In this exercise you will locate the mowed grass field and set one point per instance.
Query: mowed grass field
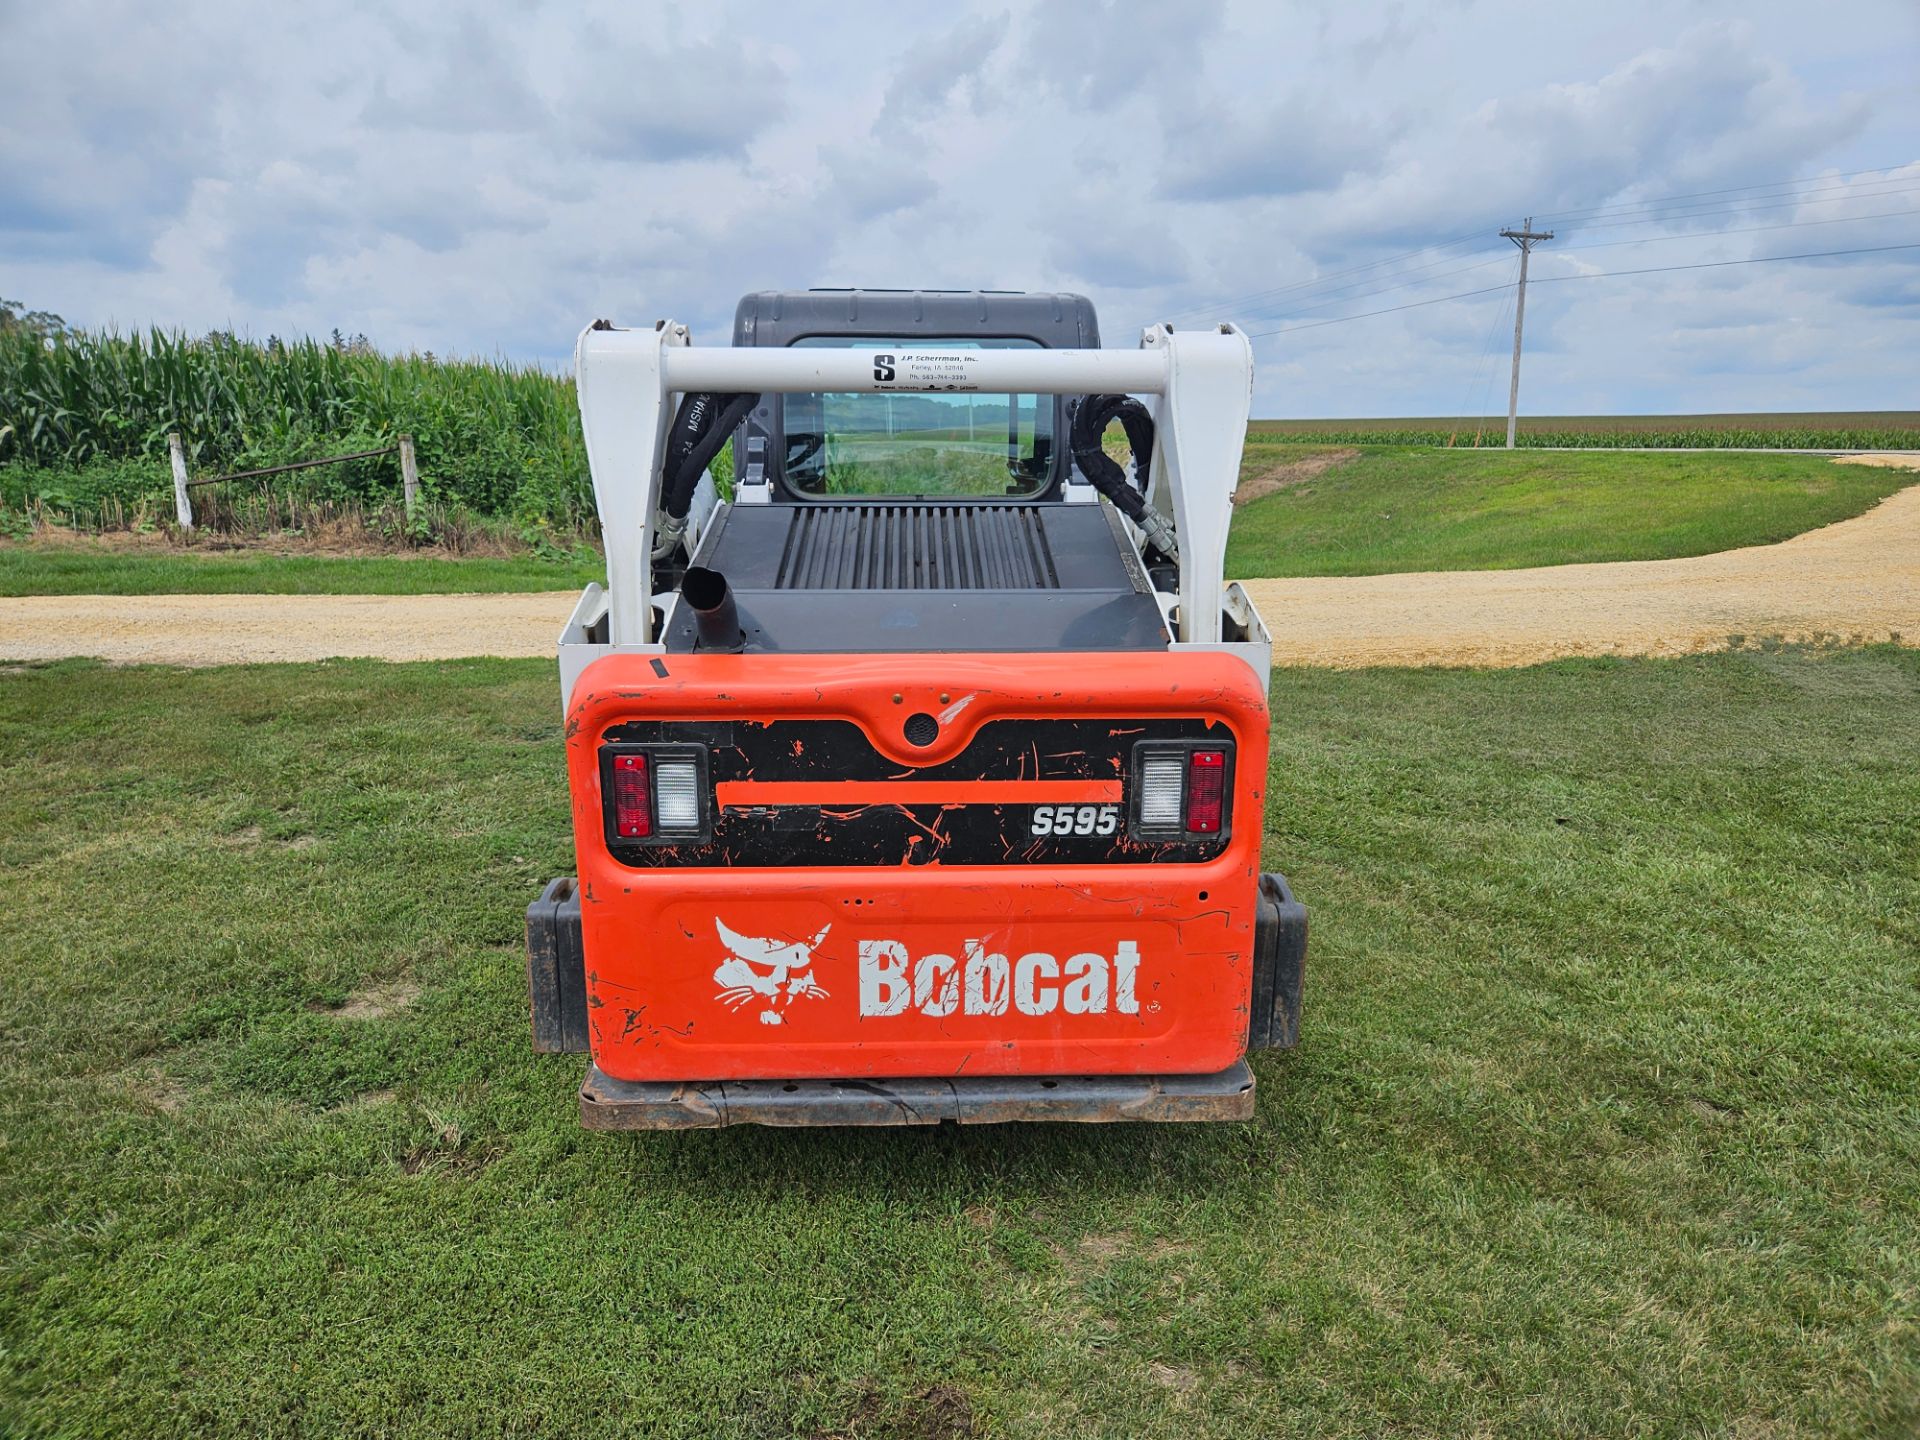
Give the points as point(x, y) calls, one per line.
point(1603, 1123)
point(1815, 430)
point(1387, 509)
point(76, 567)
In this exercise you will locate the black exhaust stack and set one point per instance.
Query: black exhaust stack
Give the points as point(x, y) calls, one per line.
point(714, 614)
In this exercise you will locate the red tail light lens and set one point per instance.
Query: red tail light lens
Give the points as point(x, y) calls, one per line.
point(632, 798)
point(1206, 791)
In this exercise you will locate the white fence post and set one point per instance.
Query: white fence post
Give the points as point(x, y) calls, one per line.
point(409, 473)
point(182, 506)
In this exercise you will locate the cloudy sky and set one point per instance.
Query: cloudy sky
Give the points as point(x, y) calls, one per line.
point(486, 179)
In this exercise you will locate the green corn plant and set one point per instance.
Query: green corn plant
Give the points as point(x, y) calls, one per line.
point(495, 436)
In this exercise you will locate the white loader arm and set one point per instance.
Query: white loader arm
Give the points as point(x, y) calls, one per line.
point(628, 379)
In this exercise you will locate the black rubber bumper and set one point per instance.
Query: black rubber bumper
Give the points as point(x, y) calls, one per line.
point(1279, 967)
point(557, 969)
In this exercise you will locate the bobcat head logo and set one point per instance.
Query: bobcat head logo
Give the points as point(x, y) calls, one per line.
point(766, 971)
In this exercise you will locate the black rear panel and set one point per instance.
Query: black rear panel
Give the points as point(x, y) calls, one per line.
point(859, 834)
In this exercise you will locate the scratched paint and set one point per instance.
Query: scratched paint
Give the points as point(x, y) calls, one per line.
point(923, 938)
point(749, 756)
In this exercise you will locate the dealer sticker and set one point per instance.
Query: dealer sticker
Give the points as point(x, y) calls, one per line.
point(925, 370)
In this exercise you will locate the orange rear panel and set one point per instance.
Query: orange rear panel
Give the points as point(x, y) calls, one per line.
point(794, 959)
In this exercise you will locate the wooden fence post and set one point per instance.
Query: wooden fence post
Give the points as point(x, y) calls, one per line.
point(182, 506)
point(409, 474)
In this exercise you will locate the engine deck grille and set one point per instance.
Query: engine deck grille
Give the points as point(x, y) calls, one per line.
point(919, 546)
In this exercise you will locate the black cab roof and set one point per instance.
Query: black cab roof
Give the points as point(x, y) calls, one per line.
point(1055, 320)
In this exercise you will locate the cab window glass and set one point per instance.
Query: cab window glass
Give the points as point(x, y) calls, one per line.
point(898, 443)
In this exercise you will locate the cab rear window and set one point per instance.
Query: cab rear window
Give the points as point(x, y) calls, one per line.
point(918, 444)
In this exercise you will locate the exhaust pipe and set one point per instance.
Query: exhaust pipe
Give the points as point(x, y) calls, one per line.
point(715, 616)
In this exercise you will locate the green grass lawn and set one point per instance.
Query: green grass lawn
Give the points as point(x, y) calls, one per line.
point(1389, 509)
point(1604, 1122)
point(81, 569)
point(1394, 509)
point(1788, 430)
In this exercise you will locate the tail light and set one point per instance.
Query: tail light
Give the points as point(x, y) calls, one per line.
point(1206, 790)
point(676, 795)
point(656, 794)
point(1181, 791)
point(632, 798)
point(1163, 786)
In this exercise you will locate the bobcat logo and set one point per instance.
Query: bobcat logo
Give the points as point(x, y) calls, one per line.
point(766, 970)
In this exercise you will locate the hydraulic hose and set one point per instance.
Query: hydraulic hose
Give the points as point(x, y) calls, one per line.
point(1090, 421)
point(701, 427)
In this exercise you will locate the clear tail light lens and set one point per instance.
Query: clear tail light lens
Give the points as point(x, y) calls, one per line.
point(1161, 780)
point(632, 800)
point(1206, 791)
point(676, 794)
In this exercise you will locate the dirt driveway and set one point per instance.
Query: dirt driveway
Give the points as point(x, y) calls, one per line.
point(1858, 580)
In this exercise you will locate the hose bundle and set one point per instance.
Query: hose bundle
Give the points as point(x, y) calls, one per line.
point(701, 427)
point(1090, 420)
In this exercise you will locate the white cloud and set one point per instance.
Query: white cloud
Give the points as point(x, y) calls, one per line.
point(931, 70)
point(488, 180)
point(637, 101)
point(1303, 142)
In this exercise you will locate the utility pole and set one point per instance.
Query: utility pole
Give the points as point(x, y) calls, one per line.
point(1524, 238)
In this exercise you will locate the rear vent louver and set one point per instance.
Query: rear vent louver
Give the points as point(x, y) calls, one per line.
point(917, 547)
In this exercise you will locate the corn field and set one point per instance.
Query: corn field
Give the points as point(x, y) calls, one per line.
point(88, 409)
point(1825, 430)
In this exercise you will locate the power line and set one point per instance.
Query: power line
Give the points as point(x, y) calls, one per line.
point(1744, 230)
point(1319, 287)
point(1318, 304)
point(1334, 298)
point(1480, 383)
point(1820, 185)
point(1369, 314)
point(1591, 275)
point(1721, 264)
point(1710, 212)
point(1600, 244)
point(1260, 295)
point(1493, 368)
point(1824, 182)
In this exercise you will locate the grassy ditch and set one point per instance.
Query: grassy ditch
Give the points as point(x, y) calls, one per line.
point(1315, 510)
point(105, 566)
point(1380, 510)
point(1603, 1123)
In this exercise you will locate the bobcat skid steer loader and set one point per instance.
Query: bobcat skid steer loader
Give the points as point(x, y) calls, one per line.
point(918, 771)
